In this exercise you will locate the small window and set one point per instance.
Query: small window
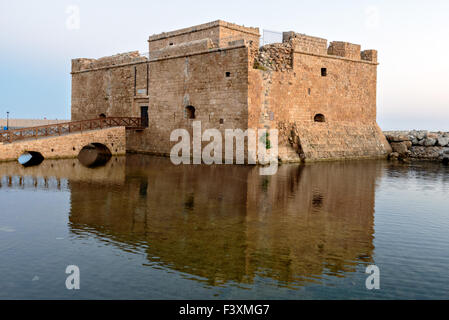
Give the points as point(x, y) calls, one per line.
point(228, 74)
point(171, 44)
point(309, 91)
point(190, 112)
point(221, 121)
point(319, 118)
point(102, 116)
point(323, 72)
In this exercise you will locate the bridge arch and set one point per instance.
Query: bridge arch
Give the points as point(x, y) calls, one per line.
point(94, 154)
point(31, 158)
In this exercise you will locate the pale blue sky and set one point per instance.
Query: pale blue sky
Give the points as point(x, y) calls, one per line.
point(412, 38)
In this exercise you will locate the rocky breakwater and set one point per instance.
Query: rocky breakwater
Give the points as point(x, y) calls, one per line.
point(419, 145)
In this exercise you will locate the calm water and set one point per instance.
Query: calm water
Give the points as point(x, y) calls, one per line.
point(141, 228)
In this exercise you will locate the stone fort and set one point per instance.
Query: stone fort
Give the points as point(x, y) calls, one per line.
point(321, 98)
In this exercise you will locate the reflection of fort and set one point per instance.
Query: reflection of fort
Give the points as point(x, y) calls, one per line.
point(229, 224)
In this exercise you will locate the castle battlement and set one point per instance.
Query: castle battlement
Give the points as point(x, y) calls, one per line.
point(321, 97)
point(220, 33)
point(82, 64)
point(205, 26)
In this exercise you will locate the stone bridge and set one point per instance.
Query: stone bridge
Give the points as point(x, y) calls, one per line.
point(66, 140)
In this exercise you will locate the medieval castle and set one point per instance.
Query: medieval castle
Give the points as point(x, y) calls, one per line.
point(321, 98)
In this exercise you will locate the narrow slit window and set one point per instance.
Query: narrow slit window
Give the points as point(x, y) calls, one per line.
point(323, 72)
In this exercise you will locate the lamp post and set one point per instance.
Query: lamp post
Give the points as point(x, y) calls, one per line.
point(7, 120)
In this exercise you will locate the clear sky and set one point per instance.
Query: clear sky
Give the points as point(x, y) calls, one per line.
point(39, 38)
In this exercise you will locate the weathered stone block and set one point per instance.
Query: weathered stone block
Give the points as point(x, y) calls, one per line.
point(429, 142)
point(443, 141)
point(399, 147)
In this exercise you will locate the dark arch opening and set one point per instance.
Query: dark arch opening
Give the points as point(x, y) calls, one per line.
point(102, 116)
point(190, 111)
point(31, 158)
point(94, 155)
point(319, 118)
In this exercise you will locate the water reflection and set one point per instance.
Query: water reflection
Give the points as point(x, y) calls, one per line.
point(229, 224)
point(221, 224)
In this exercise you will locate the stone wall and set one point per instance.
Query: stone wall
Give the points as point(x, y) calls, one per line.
point(183, 49)
point(332, 141)
point(66, 146)
point(419, 145)
point(289, 98)
point(108, 86)
point(344, 49)
point(214, 82)
point(305, 43)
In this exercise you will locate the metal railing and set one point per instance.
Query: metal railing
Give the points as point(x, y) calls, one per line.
point(270, 36)
point(69, 127)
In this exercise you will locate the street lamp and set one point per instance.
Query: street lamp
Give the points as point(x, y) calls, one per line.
point(7, 120)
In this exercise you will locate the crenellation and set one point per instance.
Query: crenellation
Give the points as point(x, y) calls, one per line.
point(305, 43)
point(109, 61)
point(344, 49)
point(369, 55)
point(221, 34)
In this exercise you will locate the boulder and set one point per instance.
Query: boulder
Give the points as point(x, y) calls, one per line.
point(393, 156)
point(408, 144)
point(418, 152)
point(430, 142)
point(443, 142)
point(397, 137)
point(420, 135)
point(399, 147)
point(415, 141)
point(432, 153)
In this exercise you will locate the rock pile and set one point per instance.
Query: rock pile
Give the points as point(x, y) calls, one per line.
point(276, 57)
point(420, 145)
